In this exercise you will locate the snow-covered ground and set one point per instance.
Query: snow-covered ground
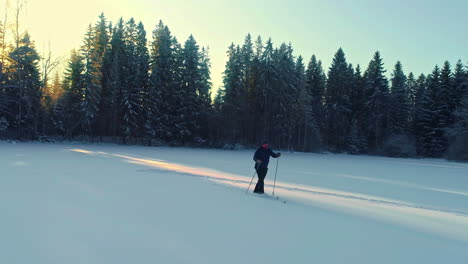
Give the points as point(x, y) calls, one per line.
point(79, 203)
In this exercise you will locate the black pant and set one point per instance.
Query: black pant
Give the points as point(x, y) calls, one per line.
point(261, 172)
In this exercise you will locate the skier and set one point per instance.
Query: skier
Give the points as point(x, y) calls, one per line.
point(262, 158)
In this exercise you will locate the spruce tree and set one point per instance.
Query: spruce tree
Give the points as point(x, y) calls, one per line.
point(3, 93)
point(166, 96)
point(268, 77)
point(432, 131)
point(411, 87)
point(309, 138)
point(191, 89)
point(446, 103)
point(234, 94)
point(338, 103)
point(181, 123)
point(399, 106)
point(68, 116)
point(459, 132)
point(204, 92)
point(377, 105)
point(133, 81)
point(116, 73)
point(27, 95)
point(91, 81)
point(249, 86)
point(420, 89)
point(357, 143)
point(255, 93)
point(286, 99)
point(5, 113)
point(315, 90)
point(141, 80)
point(93, 51)
point(460, 81)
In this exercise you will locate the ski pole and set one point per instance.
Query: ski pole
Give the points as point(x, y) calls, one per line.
point(274, 183)
point(251, 181)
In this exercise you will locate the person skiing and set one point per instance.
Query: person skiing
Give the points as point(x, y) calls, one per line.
point(262, 158)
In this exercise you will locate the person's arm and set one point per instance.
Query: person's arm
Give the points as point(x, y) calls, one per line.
point(275, 155)
point(256, 158)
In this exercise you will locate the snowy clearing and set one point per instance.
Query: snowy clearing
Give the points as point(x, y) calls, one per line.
point(90, 203)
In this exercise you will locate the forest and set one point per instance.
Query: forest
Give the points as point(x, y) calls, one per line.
point(122, 87)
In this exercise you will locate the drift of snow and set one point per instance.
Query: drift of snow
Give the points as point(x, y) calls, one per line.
point(77, 203)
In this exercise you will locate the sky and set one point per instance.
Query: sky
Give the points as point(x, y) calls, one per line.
point(419, 33)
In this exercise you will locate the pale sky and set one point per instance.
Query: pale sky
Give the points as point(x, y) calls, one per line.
point(419, 33)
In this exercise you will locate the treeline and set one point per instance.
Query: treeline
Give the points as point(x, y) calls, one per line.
point(269, 93)
point(115, 85)
point(120, 86)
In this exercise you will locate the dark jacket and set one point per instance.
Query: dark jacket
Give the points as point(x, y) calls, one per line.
point(264, 155)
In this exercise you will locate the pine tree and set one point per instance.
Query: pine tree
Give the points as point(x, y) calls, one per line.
point(255, 92)
point(204, 92)
point(399, 106)
point(411, 88)
point(420, 89)
point(180, 128)
point(315, 91)
point(337, 102)
point(52, 92)
point(432, 132)
point(93, 51)
point(191, 90)
point(268, 76)
point(249, 67)
point(115, 83)
point(141, 80)
point(459, 132)
point(357, 142)
point(165, 117)
point(92, 85)
point(2, 44)
point(234, 95)
point(4, 112)
point(26, 80)
point(68, 116)
point(133, 79)
point(445, 102)
point(311, 136)
point(460, 81)
point(247, 57)
point(357, 94)
point(285, 101)
point(56, 89)
point(377, 105)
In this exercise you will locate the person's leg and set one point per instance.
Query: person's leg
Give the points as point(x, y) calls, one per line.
point(261, 172)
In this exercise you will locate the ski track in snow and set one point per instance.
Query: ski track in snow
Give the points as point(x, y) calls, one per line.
point(393, 182)
point(447, 222)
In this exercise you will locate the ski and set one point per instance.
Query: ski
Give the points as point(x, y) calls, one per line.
point(270, 197)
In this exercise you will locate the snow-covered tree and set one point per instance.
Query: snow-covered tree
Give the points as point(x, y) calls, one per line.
point(315, 81)
point(377, 105)
point(431, 128)
point(25, 78)
point(399, 106)
point(338, 103)
point(459, 132)
point(68, 116)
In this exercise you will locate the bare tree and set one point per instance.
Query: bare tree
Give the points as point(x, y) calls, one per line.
point(4, 32)
point(48, 65)
point(20, 4)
